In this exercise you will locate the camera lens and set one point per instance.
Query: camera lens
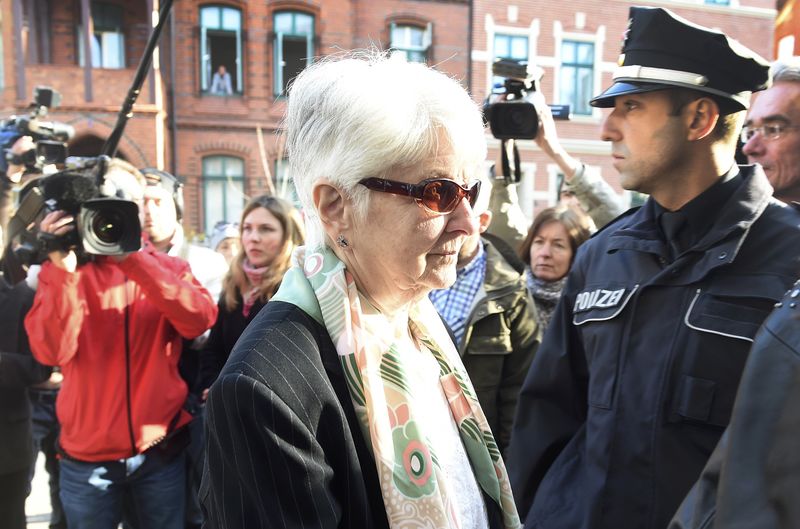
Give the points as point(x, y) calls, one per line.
point(107, 226)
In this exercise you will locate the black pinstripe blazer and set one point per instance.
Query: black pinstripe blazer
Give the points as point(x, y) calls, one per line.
point(284, 448)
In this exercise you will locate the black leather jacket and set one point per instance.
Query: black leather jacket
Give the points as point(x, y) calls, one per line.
point(753, 477)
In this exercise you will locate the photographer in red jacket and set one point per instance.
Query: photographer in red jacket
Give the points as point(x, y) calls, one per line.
point(115, 326)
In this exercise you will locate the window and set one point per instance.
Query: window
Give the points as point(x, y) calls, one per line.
point(223, 189)
point(284, 184)
point(577, 75)
point(37, 31)
point(413, 42)
point(220, 46)
point(294, 47)
point(108, 39)
point(509, 47)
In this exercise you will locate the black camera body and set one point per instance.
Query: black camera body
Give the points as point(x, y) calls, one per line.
point(107, 223)
point(510, 110)
point(50, 136)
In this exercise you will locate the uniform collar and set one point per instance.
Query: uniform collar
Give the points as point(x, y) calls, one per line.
point(737, 213)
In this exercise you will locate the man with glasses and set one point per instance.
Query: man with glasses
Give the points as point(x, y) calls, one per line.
point(637, 373)
point(771, 133)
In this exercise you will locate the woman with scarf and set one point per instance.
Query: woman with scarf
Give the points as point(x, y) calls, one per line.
point(269, 231)
point(345, 403)
point(548, 250)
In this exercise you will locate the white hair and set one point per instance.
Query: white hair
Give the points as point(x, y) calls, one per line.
point(785, 70)
point(364, 114)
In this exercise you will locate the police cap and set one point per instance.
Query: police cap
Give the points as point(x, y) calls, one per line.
point(662, 50)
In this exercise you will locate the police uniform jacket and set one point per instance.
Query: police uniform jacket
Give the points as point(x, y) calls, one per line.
point(637, 374)
point(753, 477)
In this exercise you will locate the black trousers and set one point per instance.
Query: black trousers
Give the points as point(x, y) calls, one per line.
point(13, 490)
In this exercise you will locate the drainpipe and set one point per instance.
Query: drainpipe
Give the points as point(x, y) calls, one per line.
point(471, 14)
point(173, 118)
point(19, 53)
point(88, 31)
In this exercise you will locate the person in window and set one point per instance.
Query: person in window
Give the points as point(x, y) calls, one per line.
point(221, 84)
point(345, 402)
point(270, 231)
point(548, 251)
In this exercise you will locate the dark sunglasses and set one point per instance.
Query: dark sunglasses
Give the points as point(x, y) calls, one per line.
point(439, 195)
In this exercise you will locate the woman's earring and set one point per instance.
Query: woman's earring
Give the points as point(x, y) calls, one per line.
point(342, 242)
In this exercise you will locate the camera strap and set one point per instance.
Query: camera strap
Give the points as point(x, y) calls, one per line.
point(508, 150)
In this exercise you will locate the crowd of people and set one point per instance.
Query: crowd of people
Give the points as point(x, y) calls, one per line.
point(399, 355)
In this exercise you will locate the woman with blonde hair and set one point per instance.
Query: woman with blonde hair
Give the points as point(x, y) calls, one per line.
point(270, 229)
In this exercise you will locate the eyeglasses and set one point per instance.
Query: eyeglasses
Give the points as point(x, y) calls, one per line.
point(768, 132)
point(439, 195)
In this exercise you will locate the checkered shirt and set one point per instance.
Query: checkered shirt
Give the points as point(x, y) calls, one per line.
point(454, 303)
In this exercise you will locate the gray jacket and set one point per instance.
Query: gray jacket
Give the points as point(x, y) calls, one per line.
point(596, 196)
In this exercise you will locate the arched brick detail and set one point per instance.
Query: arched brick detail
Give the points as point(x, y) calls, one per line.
point(222, 148)
point(99, 127)
point(312, 8)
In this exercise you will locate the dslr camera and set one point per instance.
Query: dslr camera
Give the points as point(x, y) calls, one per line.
point(107, 220)
point(50, 136)
point(510, 110)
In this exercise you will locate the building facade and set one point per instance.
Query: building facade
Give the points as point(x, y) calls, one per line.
point(218, 131)
point(219, 128)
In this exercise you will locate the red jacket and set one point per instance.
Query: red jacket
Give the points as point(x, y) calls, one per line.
point(115, 401)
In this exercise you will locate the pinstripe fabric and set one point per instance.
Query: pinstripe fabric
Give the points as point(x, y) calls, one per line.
point(283, 443)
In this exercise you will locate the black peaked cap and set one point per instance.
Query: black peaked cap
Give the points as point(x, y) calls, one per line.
point(662, 50)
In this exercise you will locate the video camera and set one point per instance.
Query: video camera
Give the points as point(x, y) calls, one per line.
point(510, 110)
point(50, 136)
point(96, 194)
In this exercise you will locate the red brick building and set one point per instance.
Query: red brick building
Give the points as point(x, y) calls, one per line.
point(787, 28)
point(224, 144)
point(221, 137)
point(577, 45)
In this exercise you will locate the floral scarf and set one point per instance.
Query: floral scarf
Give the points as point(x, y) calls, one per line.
point(545, 295)
point(407, 465)
point(254, 276)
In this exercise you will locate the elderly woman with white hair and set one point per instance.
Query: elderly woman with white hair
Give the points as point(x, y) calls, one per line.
point(345, 403)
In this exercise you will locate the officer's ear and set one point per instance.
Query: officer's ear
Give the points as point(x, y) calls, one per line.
point(702, 116)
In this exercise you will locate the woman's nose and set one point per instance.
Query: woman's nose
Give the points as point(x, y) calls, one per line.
point(463, 218)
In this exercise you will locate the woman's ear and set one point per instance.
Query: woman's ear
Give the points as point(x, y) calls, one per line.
point(332, 207)
point(703, 117)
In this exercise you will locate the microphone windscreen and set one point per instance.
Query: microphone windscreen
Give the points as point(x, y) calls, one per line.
point(69, 190)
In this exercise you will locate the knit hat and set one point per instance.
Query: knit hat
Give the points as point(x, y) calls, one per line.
point(223, 230)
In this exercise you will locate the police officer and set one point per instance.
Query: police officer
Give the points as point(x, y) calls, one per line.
point(637, 373)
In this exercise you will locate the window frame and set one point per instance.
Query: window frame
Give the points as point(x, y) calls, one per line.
point(98, 38)
point(277, 45)
point(493, 80)
point(227, 181)
point(577, 66)
point(406, 47)
point(206, 72)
